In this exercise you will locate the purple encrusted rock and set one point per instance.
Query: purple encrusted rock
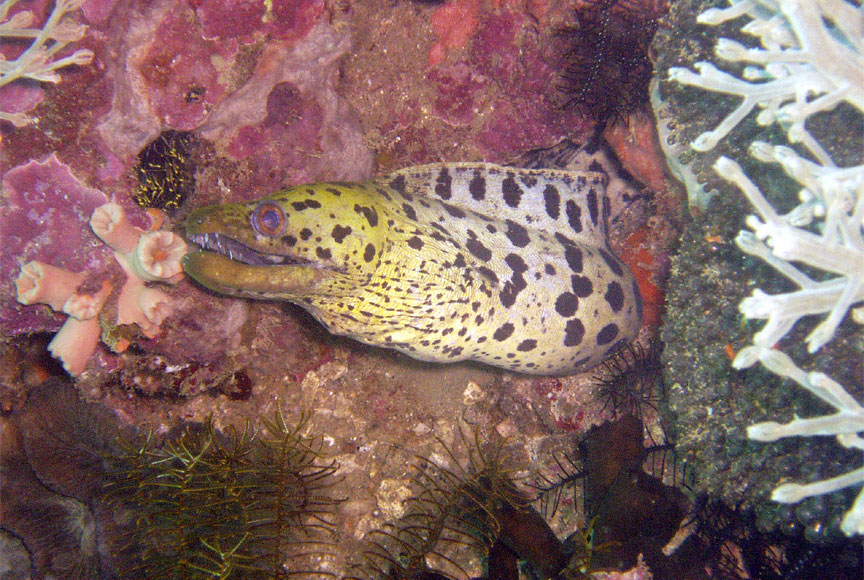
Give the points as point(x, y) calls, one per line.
point(47, 219)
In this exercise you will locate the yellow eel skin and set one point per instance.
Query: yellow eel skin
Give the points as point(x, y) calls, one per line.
point(443, 262)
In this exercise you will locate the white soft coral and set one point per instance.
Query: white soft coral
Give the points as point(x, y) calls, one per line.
point(803, 67)
point(38, 62)
point(811, 59)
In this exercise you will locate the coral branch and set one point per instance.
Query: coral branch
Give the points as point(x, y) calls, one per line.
point(75, 343)
point(138, 304)
point(37, 62)
point(109, 222)
point(157, 257)
point(40, 283)
point(87, 306)
point(801, 60)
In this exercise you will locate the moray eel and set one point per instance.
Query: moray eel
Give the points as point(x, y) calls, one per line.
point(444, 262)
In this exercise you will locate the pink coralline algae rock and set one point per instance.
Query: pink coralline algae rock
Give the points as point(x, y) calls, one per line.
point(457, 87)
point(183, 84)
point(186, 64)
point(508, 73)
point(249, 20)
point(289, 119)
point(45, 219)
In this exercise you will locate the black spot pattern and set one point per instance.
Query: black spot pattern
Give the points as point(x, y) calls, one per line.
point(409, 211)
point(398, 185)
point(593, 212)
point(553, 201)
point(503, 332)
point(573, 255)
point(339, 233)
point(415, 243)
point(476, 248)
point(511, 190)
point(477, 186)
point(549, 269)
point(607, 334)
point(614, 296)
point(488, 274)
point(369, 252)
point(516, 284)
point(334, 191)
point(563, 240)
point(383, 193)
point(323, 253)
point(454, 211)
point(289, 240)
point(526, 345)
point(444, 184)
point(611, 261)
point(567, 304)
point(574, 332)
point(582, 286)
point(370, 213)
point(574, 216)
point(305, 234)
point(528, 180)
point(517, 234)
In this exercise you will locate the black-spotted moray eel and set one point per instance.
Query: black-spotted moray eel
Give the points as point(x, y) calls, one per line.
point(444, 262)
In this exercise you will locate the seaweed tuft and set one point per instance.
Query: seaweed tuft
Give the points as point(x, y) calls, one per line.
point(453, 509)
point(247, 503)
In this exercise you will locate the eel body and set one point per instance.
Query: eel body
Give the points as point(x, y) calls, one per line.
point(444, 262)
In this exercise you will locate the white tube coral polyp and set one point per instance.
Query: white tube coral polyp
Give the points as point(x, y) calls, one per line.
point(40, 283)
point(87, 306)
point(157, 257)
point(110, 224)
point(146, 307)
point(75, 343)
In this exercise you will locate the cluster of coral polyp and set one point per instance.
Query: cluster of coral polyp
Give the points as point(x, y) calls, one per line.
point(35, 225)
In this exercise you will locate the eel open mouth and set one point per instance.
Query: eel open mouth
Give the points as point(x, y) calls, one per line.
point(234, 250)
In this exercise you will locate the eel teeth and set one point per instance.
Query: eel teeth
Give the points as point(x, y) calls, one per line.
point(238, 252)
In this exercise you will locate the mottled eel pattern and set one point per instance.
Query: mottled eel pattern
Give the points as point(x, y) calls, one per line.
point(444, 262)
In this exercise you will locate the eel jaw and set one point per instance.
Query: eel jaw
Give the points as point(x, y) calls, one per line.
point(229, 267)
point(234, 250)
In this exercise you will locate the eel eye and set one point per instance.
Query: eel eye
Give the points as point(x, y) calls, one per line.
point(268, 218)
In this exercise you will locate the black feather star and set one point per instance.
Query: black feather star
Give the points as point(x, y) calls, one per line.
point(607, 68)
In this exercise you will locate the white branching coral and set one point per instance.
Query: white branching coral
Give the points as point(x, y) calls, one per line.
point(811, 59)
point(835, 199)
point(38, 62)
point(803, 67)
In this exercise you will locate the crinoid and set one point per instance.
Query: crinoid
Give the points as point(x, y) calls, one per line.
point(457, 515)
point(166, 174)
point(607, 65)
point(248, 503)
point(557, 481)
point(631, 379)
